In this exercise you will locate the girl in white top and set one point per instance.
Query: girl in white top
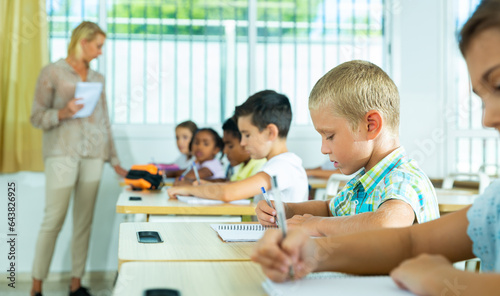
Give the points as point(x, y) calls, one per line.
point(184, 132)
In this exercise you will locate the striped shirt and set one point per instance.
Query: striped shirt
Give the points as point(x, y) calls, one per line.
point(394, 177)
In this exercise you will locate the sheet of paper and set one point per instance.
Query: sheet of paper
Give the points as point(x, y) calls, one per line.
point(330, 283)
point(205, 201)
point(89, 92)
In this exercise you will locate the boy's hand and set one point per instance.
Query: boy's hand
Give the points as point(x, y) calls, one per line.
point(425, 274)
point(276, 255)
point(308, 222)
point(265, 214)
point(183, 182)
point(179, 190)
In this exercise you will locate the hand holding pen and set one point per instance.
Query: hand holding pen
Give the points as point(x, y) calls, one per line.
point(265, 211)
point(188, 169)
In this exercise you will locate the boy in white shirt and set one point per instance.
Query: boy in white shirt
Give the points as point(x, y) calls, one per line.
point(264, 121)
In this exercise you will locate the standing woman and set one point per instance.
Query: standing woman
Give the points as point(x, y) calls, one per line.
point(74, 151)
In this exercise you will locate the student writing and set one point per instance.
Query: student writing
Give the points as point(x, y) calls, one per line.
point(355, 109)
point(418, 257)
point(243, 166)
point(263, 121)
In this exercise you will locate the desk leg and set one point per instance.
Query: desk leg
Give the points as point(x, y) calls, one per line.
point(147, 217)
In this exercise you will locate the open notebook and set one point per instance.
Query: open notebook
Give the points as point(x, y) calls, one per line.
point(240, 232)
point(333, 283)
point(205, 201)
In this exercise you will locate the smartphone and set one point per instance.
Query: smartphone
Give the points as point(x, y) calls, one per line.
point(161, 292)
point(135, 198)
point(149, 237)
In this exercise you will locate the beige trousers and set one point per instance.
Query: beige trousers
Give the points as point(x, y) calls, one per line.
point(63, 175)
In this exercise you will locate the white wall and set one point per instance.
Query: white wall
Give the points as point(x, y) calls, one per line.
point(418, 65)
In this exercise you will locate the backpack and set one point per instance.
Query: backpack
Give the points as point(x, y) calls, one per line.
point(144, 177)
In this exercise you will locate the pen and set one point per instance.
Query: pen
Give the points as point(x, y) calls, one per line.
point(195, 169)
point(266, 197)
point(188, 169)
point(280, 210)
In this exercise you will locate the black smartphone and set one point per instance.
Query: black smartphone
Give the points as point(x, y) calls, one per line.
point(135, 198)
point(149, 237)
point(161, 292)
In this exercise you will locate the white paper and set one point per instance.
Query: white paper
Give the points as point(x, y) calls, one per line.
point(326, 283)
point(239, 232)
point(89, 93)
point(205, 201)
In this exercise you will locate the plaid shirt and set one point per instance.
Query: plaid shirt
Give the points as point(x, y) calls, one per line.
point(394, 177)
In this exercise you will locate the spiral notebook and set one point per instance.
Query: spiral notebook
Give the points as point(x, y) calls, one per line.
point(240, 232)
point(333, 283)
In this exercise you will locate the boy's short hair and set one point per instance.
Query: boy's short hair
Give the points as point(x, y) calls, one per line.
point(267, 107)
point(353, 88)
point(231, 127)
point(189, 125)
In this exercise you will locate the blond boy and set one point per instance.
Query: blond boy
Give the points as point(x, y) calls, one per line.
point(355, 109)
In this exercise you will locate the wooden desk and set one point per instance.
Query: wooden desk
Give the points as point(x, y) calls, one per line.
point(456, 191)
point(452, 203)
point(191, 278)
point(317, 183)
point(157, 202)
point(182, 242)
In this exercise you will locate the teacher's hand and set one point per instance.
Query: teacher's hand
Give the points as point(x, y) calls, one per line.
point(70, 109)
point(120, 171)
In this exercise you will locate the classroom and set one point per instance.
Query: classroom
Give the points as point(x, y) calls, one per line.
point(126, 156)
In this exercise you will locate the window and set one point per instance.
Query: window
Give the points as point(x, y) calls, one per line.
point(474, 148)
point(169, 60)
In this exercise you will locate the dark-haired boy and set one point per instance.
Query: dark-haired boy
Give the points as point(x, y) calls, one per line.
point(263, 121)
point(242, 166)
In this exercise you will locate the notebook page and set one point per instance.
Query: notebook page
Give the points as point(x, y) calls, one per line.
point(239, 232)
point(330, 283)
point(205, 201)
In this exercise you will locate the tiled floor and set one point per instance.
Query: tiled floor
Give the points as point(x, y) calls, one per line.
point(98, 287)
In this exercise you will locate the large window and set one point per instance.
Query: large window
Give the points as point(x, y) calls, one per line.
point(474, 148)
point(170, 60)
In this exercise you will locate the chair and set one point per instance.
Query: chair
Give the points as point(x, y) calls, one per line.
point(333, 184)
point(483, 178)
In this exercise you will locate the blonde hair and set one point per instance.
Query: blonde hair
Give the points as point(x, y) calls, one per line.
point(352, 89)
point(85, 30)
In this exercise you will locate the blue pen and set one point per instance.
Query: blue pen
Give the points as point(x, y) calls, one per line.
point(269, 203)
point(266, 197)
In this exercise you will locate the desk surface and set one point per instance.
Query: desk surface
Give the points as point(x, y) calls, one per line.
point(456, 191)
point(181, 242)
point(317, 183)
point(191, 278)
point(158, 203)
point(166, 182)
point(454, 202)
